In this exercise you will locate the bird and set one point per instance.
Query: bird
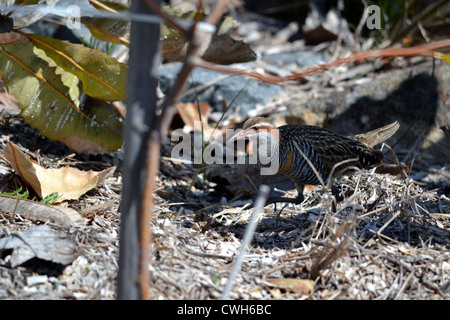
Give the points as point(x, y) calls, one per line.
point(311, 154)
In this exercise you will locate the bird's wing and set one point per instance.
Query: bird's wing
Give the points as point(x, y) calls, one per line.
point(336, 149)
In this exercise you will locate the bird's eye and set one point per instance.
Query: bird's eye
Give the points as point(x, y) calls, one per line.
point(256, 129)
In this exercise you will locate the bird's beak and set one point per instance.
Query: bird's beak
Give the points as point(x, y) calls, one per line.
point(239, 136)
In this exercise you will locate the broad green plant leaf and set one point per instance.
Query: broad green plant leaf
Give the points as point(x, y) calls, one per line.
point(102, 76)
point(173, 42)
point(111, 30)
point(47, 106)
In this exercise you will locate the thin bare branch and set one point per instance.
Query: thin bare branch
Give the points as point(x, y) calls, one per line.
point(157, 10)
point(421, 50)
point(251, 227)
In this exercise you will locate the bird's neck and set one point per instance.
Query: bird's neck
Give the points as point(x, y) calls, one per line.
point(267, 147)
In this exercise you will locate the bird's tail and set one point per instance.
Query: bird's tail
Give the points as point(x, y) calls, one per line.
point(379, 135)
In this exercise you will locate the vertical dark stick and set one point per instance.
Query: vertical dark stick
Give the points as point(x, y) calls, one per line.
point(141, 119)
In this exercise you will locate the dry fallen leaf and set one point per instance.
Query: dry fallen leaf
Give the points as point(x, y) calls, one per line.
point(225, 50)
point(298, 286)
point(191, 118)
point(13, 36)
point(69, 183)
point(82, 145)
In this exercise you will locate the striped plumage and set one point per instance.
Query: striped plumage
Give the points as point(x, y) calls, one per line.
point(324, 148)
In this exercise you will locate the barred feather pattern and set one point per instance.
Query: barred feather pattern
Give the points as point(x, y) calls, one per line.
point(297, 168)
point(325, 149)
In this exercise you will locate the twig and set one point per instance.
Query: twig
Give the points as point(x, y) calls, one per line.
point(397, 163)
point(334, 249)
point(395, 215)
point(209, 255)
point(156, 9)
point(259, 205)
point(397, 296)
point(361, 24)
point(411, 26)
point(421, 50)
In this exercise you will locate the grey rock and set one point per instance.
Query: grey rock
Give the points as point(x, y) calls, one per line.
point(249, 93)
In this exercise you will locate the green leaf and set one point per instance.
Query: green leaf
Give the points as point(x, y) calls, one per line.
point(173, 42)
point(102, 76)
point(47, 106)
point(111, 30)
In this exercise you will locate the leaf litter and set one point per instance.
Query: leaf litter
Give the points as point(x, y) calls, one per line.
point(91, 274)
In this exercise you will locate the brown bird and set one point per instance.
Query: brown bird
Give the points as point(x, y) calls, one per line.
point(328, 152)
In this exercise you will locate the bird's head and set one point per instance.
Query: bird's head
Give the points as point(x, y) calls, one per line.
point(255, 127)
